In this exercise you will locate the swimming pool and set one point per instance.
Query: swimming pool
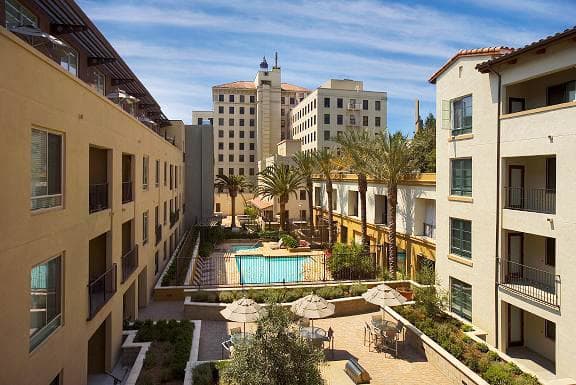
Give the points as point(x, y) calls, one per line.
point(258, 269)
point(235, 248)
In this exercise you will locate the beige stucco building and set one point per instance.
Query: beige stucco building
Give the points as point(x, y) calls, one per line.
point(92, 201)
point(505, 220)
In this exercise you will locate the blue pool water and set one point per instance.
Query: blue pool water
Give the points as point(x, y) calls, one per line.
point(244, 247)
point(255, 269)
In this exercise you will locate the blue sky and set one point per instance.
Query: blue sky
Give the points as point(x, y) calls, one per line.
point(180, 48)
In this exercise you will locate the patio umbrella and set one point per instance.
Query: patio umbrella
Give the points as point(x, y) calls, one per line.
point(383, 295)
point(242, 310)
point(312, 307)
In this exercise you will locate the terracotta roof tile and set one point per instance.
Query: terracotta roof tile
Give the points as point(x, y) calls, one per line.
point(487, 51)
point(246, 84)
point(292, 87)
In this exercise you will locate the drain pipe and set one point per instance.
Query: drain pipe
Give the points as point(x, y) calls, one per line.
point(498, 177)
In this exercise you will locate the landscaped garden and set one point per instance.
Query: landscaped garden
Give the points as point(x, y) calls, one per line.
point(169, 351)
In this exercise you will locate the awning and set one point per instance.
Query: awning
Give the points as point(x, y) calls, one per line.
point(260, 203)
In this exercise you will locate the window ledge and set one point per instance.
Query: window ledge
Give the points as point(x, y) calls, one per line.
point(46, 210)
point(462, 260)
point(458, 198)
point(454, 138)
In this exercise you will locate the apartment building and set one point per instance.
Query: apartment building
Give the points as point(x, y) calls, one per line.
point(331, 108)
point(92, 194)
point(505, 154)
point(416, 217)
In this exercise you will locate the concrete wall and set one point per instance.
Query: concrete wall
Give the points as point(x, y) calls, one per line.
point(199, 174)
point(36, 92)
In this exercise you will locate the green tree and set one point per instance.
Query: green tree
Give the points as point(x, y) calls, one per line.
point(325, 159)
point(391, 161)
point(306, 164)
point(350, 262)
point(279, 181)
point(354, 157)
point(234, 184)
point(277, 355)
point(424, 146)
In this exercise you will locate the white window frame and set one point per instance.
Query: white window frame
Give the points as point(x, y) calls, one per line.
point(57, 198)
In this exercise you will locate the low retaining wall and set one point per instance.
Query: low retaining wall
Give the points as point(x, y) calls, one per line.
point(456, 371)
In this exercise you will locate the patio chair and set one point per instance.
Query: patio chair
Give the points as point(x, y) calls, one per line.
point(390, 342)
point(367, 333)
point(376, 338)
point(330, 336)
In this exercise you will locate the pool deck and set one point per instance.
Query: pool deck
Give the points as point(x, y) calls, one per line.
point(268, 249)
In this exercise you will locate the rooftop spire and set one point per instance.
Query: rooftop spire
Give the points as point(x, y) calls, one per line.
point(264, 64)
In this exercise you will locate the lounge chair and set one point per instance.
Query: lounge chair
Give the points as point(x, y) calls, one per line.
point(277, 246)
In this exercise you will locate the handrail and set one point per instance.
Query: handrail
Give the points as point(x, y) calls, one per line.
point(541, 200)
point(100, 290)
point(535, 283)
point(116, 380)
point(129, 262)
point(97, 197)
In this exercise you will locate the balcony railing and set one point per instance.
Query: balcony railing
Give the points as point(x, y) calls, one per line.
point(98, 197)
point(127, 192)
point(429, 230)
point(129, 263)
point(542, 286)
point(538, 200)
point(100, 290)
point(158, 233)
point(354, 106)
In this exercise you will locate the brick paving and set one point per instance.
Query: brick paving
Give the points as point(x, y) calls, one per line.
point(409, 368)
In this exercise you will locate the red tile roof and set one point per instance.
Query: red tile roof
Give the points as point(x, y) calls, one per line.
point(246, 84)
point(566, 34)
point(488, 51)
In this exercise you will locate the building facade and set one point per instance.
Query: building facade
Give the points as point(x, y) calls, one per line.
point(199, 173)
point(91, 209)
point(329, 110)
point(416, 217)
point(505, 151)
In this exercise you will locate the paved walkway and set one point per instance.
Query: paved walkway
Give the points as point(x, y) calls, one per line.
point(410, 368)
point(159, 310)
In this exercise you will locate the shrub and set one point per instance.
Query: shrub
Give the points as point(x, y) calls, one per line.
point(499, 373)
point(350, 262)
point(358, 289)
point(330, 292)
point(289, 241)
point(200, 296)
point(227, 296)
point(204, 374)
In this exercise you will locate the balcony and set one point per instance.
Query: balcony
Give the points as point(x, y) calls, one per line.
point(353, 106)
point(98, 197)
point(100, 290)
point(129, 263)
point(127, 192)
point(539, 285)
point(127, 178)
point(158, 234)
point(539, 200)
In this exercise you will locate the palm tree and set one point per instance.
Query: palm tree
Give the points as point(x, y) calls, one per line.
point(325, 164)
point(234, 184)
point(305, 165)
point(391, 161)
point(354, 157)
point(279, 181)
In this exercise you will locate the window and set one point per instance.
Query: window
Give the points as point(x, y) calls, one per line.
point(220, 158)
point(251, 158)
point(171, 177)
point(302, 195)
point(327, 102)
point(241, 146)
point(461, 237)
point(230, 133)
point(231, 146)
point(339, 119)
point(156, 262)
point(561, 93)
point(550, 251)
point(220, 121)
point(377, 105)
point(221, 98)
point(241, 110)
point(46, 170)
point(220, 133)
point(165, 173)
point(221, 110)
point(251, 146)
point(252, 99)
point(252, 110)
point(377, 121)
point(231, 122)
point(157, 173)
point(241, 158)
point(231, 110)
point(550, 329)
point(241, 134)
point(551, 174)
point(326, 118)
point(461, 181)
point(365, 121)
point(231, 98)
point(292, 101)
point(46, 300)
point(220, 145)
point(69, 61)
point(99, 82)
point(165, 212)
point(302, 215)
point(145, 227)
point(231, 171)
point(230, 158)
point(462, 115)
point(241, 122)
point(340, 103)
point(364, 104)
point(17, 14)
point(251, 171)
point(283, 100)
point(461, 299)
point(145, 173)
point(326, 135)
point(241, 171)
point(217, 207)
point(242, 98)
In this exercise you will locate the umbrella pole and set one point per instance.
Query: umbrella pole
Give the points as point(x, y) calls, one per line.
point(244, 328)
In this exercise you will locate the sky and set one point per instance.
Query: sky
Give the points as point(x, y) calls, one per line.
point(181, 48)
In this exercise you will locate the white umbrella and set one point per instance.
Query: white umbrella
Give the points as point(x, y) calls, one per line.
point(383, 295)
point(312, 307)
point(242, 310)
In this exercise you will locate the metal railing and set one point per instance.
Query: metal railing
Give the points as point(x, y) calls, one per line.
point(158, 233)
point(540, 285)
point(100, 290)
point(98, 197)
point(538, 200)
point(240, 270)
point(127, 192)
point(354, 106)
point(429, 230)
point(129, 263)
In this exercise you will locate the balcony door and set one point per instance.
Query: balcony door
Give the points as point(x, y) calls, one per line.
point(516, 187)
point(515, 256)
point(515, 326)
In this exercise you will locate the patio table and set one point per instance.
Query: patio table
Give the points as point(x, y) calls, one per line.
point(383, 325)
point(314, 334)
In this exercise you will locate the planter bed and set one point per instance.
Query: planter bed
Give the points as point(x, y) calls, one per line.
point(207, 373)
point(168, 353)
point(463, 358)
